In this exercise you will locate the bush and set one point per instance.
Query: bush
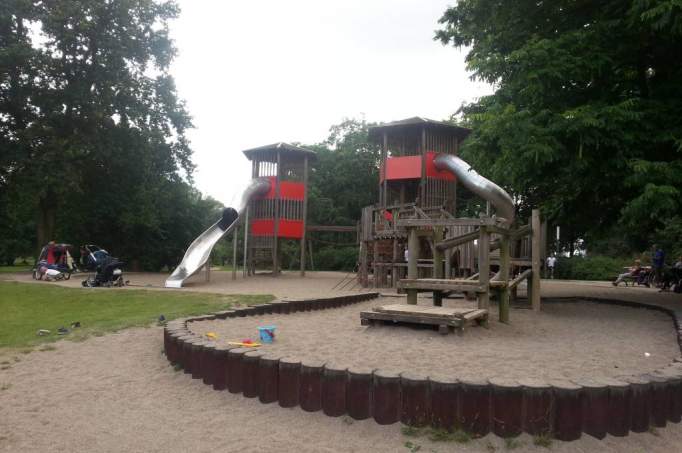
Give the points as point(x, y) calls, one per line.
point(590, 268)
point(336, 258)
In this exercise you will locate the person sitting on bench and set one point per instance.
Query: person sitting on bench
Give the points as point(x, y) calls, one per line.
point(631, 273)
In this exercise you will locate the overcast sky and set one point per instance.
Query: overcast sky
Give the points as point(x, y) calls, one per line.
point(264, 71)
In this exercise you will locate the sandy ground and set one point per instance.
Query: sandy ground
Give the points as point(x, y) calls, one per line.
point(565, 340)
point(118, 393)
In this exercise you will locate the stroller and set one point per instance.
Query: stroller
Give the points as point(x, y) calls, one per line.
point(108, 269)
point(54, 263)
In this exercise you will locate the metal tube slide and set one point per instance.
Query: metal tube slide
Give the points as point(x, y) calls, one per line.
point(198, 252)
point(484, 188)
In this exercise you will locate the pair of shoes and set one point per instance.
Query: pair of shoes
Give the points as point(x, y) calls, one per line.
point(62, 331)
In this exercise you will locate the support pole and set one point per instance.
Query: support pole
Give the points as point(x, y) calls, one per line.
point(275, 238)
point(208, 269)
point(245, 270)
point(412, 257)
point(437, 265)
point(536, 235)
point(235, 240)
point(504, 276)
point(305, 213)
point(484, 267)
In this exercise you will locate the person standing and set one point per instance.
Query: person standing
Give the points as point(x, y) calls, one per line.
point(551, 262)
point(657, 263)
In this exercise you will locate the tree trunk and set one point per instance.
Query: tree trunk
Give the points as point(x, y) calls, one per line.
point(47, 214)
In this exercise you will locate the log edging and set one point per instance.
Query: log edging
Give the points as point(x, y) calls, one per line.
point(562, 409)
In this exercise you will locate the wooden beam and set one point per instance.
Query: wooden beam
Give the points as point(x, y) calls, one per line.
point(235, 240)
point(437, 265)
point(504, 276)
point(535, 258)
point(412, 256)
point(331, 228)
point(304, 214)
point(275, 244)
point(456, 241)
point(484, 267)
point(522, 276)
point(521, 231)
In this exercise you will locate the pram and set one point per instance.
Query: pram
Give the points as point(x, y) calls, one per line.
point(54, 263)
point(108, 269)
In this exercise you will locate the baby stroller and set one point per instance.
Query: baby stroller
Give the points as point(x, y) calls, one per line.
point(54, 263)
point(108, 269)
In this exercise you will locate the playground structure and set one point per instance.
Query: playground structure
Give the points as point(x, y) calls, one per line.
point(446, 254)
point(272, 208)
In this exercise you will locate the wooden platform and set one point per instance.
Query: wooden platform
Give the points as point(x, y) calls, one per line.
point(435, 284)
point(445, 318)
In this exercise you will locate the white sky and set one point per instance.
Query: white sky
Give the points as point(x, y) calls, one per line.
point(263, 71)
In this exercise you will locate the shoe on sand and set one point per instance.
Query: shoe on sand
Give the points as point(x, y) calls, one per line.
point(62, 331)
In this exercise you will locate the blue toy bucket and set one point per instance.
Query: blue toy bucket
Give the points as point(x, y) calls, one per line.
point(267, 333)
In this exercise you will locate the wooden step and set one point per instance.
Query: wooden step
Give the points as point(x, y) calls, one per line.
point(434, 284)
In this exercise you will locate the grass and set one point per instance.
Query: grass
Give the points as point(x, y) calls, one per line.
point(28, 307)
point(511, 444)
point(13, 269)
point(542, 440)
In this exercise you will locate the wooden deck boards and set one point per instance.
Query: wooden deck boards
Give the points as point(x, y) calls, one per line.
point(443, 317)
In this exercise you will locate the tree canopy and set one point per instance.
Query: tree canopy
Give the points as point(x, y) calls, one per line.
point(586, 117)
point(92, 130)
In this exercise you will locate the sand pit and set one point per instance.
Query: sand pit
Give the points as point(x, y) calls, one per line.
point(566, 340)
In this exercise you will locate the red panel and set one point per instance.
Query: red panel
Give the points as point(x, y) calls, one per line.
point(431, 171)
point(410, 167)
point(263, 227)
point(291, 190)
point(406, 167)
point(292, 229)
point(287, 190)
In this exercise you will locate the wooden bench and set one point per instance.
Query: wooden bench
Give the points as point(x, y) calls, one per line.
point(444, 318)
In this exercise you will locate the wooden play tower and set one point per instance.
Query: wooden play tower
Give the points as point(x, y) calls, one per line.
point(280, 215)
point(446, 254)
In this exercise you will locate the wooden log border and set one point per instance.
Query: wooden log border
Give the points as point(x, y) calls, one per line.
point(560, 409)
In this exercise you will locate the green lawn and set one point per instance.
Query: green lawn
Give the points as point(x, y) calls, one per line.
point(25, 308)
point(11, 269)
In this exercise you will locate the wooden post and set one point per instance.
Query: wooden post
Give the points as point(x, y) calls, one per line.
point(422, 182)
point(375, 268)
point(384, 157)
point(504, 276)
point(235, 240)
point(208, 269)
point(245, 270)
point(305, 213)
point(412, 256)
point(275, 238)
point(310, 252)
point(437, 264)
point(363, 264)
point(534, 287)
point(394, 268)
point(484, 267)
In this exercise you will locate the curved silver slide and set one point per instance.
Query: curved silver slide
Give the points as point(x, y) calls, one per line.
point(484, 188)
point(198, 252)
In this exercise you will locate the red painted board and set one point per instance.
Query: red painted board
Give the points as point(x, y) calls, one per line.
point(287, 190)
point(406, 167)
point(432, 172)
point(292, 229)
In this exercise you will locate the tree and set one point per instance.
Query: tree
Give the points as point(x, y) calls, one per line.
point(585, 121)
point(91, 94)
point(94, 130)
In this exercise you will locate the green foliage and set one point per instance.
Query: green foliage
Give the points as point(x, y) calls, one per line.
point(29, 307)
point(590, 268)
point(92, 130)
point(584, 122)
